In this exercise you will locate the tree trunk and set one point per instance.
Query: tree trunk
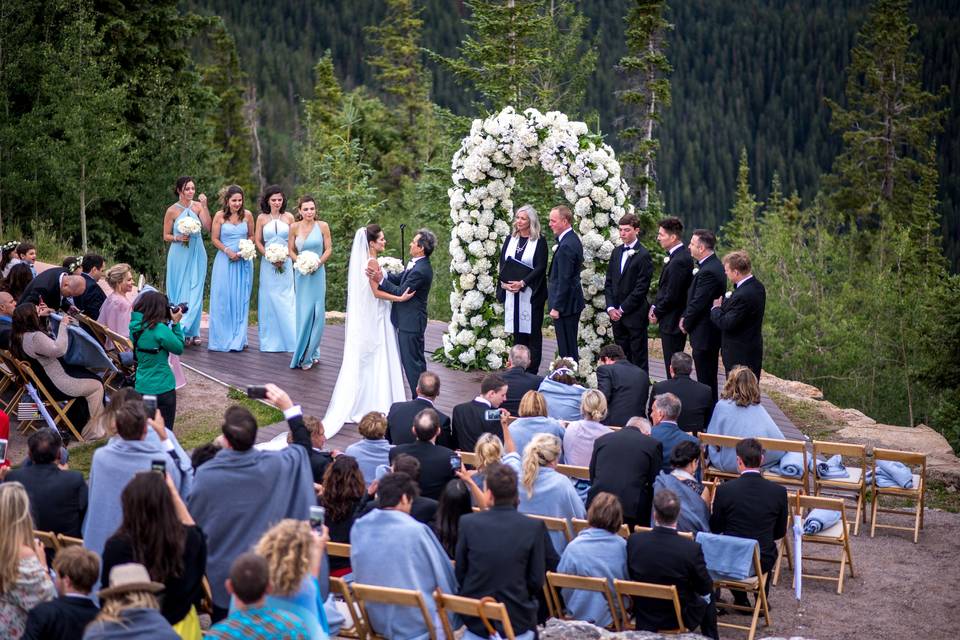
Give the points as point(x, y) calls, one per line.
point(250, 109)
point(83, 206)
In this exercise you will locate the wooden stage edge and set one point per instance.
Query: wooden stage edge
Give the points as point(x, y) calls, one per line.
point(312, 389)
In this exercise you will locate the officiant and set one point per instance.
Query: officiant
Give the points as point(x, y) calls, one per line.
point(523, 287)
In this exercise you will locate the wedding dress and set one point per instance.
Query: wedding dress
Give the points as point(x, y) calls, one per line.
point(371, 377)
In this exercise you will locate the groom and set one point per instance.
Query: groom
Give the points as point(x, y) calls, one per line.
point(410, 317)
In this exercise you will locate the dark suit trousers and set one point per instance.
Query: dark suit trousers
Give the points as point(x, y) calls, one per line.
point(567, 327)
point(707, 363)
point(411, 357)
point(633, 341)
point(534, 339)
point(672, 343)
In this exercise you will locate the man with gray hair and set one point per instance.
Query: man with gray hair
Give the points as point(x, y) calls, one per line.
point(696, 398)
point(519, 381)
point(664, 414)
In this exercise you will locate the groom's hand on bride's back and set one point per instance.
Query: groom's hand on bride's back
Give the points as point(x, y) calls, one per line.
point(278, 397)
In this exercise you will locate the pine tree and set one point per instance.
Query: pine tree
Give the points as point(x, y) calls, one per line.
point(743, 229)
point(560, 81)
point(645, 69)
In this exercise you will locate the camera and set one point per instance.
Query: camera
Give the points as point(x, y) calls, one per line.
point(159, 466)
point(455, 463)
point(316, 518)
point(491, 414)
point(150, 405)
point(256, 391)
point(182, 307)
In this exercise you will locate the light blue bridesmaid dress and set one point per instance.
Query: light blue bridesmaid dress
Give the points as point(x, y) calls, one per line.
point(275, 299)
point(311, 303)
point(230, 285)
point(187, 273)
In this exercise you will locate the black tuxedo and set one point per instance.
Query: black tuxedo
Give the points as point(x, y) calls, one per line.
point(625, 386)
point(752, 507)
point(627, 291)
point(319, 461)
point(519, 381)
point(566, 293)
point(696, 401)
point(63, 618)
point(740, 319)
point(58, 499)
point(671, 302)
point(435, 469)
point(504, 554)
point(663, 557)
point(6, 327)
point(46, 287)
point(708, 284)
point(410, 317)
point(537, 282)
point(92, 299)
point(400, 422)
point(625, 463)
point(469, 425)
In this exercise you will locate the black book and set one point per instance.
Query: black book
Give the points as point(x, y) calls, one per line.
point(514, 270)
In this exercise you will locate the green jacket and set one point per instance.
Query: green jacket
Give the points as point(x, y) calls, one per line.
point(154, 375)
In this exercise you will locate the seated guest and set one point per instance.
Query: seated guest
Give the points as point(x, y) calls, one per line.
point(29, 341)
point(158, 532)
point(58, 498)
point(513, 573)
point(55, 288)
point(124, 456)
point(401, 414)
point(662, 556)
point(489, 450)
point(93, 296)
point(598, 551)
point(373, 450)
point(739, 413)
point(533, 420)
point(293, 553)
point(65, 618)
point(696, 399)
point(203, 453)
point(232, 488)
point(24, 579)
point(519, 380)
point(469, 418)
point(7, 306)
point(625, 463)
point(581, 434)
point(561, 391)
point(663, 414)
point(129, 608)
point(319, 459)
point(388, 548)
point(342, 497)
point(454, 503)
point(252, 617)
point(751, 507)
point(543, 490)
point(16, 282)
point(422, 509)
point(435, 468)
point(695, 508)
point(624, 384)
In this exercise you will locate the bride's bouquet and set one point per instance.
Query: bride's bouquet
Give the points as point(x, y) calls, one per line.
point(246, 249)
point(277, 254)
point(188, 226)
point(307, 262)
point(390, 265)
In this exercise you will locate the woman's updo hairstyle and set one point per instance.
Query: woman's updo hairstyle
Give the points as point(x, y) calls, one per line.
point(116, 274)
point(373, 232)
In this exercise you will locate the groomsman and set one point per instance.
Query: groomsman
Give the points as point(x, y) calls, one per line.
point(672, 292)
point(565, 294)
point(739, 315)
point(709, 282)
point(625, 289)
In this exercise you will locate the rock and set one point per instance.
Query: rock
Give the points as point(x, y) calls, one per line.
point(578, 630)
point(942, 464)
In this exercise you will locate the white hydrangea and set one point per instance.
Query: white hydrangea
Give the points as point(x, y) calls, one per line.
point(467, 281)
point(477, 322)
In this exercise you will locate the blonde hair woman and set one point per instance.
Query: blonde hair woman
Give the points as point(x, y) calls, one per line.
point(739, 413)
point(533, 420)
point(543, 490)
point(129, 607)
point(24, 580)
point(581, 434)
point(373, 450)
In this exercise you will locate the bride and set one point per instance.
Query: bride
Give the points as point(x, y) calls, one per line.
point(371, 378)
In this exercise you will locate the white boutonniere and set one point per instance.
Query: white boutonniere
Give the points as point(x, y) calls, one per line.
point(631, 252)
point(728, 294)
point(696, 270)
point(555, 247)
point(666, 259)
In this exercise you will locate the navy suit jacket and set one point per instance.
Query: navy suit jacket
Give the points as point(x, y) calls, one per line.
point(410, 316)
point(565, 294)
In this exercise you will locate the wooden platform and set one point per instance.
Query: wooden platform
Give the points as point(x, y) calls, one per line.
point(312, 388)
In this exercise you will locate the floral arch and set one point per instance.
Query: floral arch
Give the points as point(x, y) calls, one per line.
point(584, 169)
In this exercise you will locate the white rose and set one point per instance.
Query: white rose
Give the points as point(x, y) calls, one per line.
point(728, 294)
point(666, 259)
point(696, 270)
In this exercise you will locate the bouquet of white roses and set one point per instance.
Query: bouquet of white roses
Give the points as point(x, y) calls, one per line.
point(307, 262)
point(390, 265)
point(188, 226)
point(246, 249)
point(277, 254)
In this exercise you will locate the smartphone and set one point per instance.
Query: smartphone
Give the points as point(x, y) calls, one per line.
point(3, 449)
point(257, 391)
point(160, 466)
point(455, 463)
point(316, 518)
point(492, 414)
point(150, 404)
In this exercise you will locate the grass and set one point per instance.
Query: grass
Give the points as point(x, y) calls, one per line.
point(809, 420)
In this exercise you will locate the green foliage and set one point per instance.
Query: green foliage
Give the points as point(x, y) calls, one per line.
point(398, 68)
point(741, 232)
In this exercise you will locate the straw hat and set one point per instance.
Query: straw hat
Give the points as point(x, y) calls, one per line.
point(125, 578)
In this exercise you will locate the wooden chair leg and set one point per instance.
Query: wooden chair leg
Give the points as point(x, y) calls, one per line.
point(873, 514)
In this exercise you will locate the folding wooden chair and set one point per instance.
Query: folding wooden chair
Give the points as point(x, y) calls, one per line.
point(368, 593)
point(468, 458)
point(710, 472)
point(914, 493)
point(340, 587)
point(853, 487)
point(641, 529)
point(624, 588)
point(206, 598)
point(579, 525)
point(554, 524)
point(792, 446)
point(26, 374)
point(486, 608)
point(49, 539)
point(569, 581)
point(571, 471)
point(69, 541)
point(784, 547)
point(838, 536)
point(12, 379)
point(752, 585)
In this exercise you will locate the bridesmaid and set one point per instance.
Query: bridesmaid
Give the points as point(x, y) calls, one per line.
point(232, 276)
point(310, 234)
point(275, 298)
point(187, 257)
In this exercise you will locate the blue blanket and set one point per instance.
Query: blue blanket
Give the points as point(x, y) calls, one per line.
point(819, 520)
point(83, 350)
point(892, 474)
point(791, 465)
point(694, 513)
point(829, 468)
point(727, 556)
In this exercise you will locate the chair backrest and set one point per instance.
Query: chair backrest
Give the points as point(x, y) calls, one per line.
point(486, 609)
point(468, 458)
point(338, 549)
point(579, 525)
point(730, 556)
point(709, 439)
point(554, 524)
point(572, 471)
point(641, 529)
point(392, 596)
point(69, 541)
point(807, 503)
point(824, 448)
point(908, 458)
point(48, 538)
point(583, 583)
point(648, 590)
